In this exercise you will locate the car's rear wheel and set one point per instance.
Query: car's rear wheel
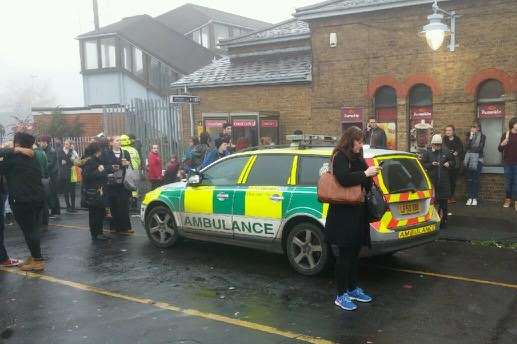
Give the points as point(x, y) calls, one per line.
point(306, 249)
point(161, 227)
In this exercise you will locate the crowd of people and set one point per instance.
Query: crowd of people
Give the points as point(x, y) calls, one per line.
point(34, 174)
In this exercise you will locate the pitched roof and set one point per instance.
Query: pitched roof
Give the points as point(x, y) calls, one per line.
point(342, 7)
point(150, 35)
point(288, 29)
point(189, 17)
point(237, 72)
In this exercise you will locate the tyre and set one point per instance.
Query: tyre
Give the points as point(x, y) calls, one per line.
point(161, 227)
point(306, 249)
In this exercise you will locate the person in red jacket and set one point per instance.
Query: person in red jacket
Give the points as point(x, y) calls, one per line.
point(154, 167)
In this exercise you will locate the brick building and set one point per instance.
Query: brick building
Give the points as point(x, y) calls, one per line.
point(365, 58)
point(90, 118)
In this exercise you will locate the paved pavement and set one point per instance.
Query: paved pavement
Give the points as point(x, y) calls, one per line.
point(487, 222)
point(127, 291)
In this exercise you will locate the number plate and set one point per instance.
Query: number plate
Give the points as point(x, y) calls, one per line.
point(409, 208)
point(416, 231)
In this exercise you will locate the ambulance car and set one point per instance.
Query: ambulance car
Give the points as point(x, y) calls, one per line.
point(266, 199)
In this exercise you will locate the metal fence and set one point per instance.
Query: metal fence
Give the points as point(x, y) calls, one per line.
point(79, 143)
point(151, 121)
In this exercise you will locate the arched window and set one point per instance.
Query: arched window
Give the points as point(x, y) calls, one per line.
point(491, 112)
point(420, 117)
point(385, 103)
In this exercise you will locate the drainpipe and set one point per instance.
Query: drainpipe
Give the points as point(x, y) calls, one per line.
point(191, 114)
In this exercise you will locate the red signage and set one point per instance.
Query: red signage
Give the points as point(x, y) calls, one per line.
point(214, 123)
point(491, 111)
point(244, 123)
point(269, 123)
point(419, 113)
point(352, 114)
point(387, 115)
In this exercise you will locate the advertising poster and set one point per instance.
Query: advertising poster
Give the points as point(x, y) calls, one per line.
point(391, 134)
point(421, 128)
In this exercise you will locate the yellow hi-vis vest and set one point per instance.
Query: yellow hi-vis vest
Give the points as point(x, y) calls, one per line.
point(135, 157)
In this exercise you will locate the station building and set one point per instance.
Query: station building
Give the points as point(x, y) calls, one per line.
point(337, 63)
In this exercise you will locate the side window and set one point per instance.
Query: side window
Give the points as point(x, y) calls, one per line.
point(270, 170)
point(224, 173)
point(309, 169)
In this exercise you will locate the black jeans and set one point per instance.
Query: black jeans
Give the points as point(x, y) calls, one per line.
point(346, 268)
point(118, 198)
point(53, 199)
point(96, 220)
point(27, 214)
point(3, 251)
point(69, 192)
point(443, 209)
point(453, 177)
point(43, 216)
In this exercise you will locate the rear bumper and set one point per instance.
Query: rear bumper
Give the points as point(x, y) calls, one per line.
point(390, 246)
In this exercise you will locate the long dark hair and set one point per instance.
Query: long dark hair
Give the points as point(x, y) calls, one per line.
point(345, 145)
point(204, 138)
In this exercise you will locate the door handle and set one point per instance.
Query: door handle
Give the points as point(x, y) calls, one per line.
point(222, 196)
point(276, 198)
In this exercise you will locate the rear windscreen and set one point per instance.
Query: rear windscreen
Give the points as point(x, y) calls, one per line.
point(403, 175)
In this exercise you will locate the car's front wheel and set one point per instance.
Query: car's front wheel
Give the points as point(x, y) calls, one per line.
point(161, 227)
point(306, 249)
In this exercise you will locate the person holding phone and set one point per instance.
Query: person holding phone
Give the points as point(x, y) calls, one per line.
point(375, 136)
point(438, 162)
point(347, 228)
point(115, 162)
point(508, 147)
point(473, 162)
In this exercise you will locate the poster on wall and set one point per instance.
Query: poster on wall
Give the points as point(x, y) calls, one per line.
point(487, 111)
point(387, 121)
point(391, 134)
point(421, 128)
point(351, 117)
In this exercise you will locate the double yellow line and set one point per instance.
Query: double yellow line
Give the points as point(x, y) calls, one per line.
point(166, 306)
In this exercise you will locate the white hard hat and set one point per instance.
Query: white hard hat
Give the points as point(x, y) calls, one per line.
point(437, 139)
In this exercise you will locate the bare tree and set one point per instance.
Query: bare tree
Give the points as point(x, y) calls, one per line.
point(19, 96)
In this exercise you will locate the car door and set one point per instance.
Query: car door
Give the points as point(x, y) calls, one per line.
point(208, 207)
point(262, 196)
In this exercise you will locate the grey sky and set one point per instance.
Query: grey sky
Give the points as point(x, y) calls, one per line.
point(37, 37)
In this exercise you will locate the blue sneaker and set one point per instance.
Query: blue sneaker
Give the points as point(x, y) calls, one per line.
point(359, 295)
point(345, 303)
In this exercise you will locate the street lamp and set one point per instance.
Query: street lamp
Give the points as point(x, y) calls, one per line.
point(436, 30)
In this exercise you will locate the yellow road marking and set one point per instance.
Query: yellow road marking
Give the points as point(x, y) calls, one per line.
point(169, 307)
point(105, 230)
point(453, 277)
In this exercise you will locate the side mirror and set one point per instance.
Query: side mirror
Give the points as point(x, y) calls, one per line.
point(194, 180)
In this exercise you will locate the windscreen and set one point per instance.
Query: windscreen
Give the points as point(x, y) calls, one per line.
point(403, 175)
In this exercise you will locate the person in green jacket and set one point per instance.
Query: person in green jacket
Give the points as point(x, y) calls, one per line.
point(41, 158)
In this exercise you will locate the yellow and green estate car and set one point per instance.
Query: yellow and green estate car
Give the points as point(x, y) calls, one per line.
point(267, 199)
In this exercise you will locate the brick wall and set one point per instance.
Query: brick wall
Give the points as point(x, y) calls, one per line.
point(291, 103)
point(91, 122)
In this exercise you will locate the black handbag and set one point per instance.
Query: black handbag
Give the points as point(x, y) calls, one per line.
point(93, 198)
point(375, 204)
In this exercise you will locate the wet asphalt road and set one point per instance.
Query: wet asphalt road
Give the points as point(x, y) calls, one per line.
point(251, 286)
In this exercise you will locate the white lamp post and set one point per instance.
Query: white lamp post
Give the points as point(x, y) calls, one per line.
point(436, 30)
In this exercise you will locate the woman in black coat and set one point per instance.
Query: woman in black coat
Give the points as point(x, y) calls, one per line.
point(94, 181)
point(347, 228)
point(439, 162)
